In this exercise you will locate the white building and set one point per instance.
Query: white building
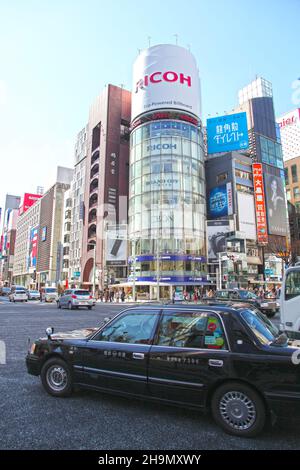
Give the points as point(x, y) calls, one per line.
point(77, 213)
point(258, 88)
point(289, 125)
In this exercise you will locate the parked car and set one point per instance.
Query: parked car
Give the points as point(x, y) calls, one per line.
point(18, 296)
point(49, 294)
point(5, 291)
point(75, 298)
point(228, 359)
point(33, 295)
point(269, 306)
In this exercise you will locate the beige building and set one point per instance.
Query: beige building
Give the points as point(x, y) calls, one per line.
point(23, 269)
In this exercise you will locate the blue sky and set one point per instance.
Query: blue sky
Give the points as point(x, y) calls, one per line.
point(57, 55)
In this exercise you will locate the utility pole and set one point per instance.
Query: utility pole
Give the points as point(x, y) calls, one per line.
point(157, 268)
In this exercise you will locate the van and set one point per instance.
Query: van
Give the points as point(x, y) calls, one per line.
point(290, 303)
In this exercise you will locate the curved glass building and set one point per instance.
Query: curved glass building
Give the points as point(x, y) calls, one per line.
point(167, 185)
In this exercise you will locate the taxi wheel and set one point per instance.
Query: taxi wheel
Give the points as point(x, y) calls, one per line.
point(89, 307)
point(238, 409)
point(56, 378)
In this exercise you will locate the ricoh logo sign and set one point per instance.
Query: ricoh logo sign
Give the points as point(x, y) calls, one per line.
point(158, 77)
point(165, 77)
point(158, 147)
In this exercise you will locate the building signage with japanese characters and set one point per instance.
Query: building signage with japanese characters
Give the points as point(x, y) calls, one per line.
point(227, 133)
point(260, 205)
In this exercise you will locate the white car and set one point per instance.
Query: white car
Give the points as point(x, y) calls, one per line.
point(18, 296)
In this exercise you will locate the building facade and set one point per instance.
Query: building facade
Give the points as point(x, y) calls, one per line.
point(77, 212)
point(25, 260)
point(167, 184)
point(230, 198)
point(292, 180)
point(289, 125)
point(51, 223)
point(8, 236)
point(106, 184)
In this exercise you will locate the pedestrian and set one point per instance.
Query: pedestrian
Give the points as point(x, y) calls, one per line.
point(123, 295)
point(173, 296)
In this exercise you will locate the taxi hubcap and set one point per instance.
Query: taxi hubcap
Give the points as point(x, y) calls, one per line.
point(57, 378)
point(237, 410)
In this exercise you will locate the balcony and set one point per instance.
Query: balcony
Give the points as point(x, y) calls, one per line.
point(94, 186)
point(92, 231)
point(93, 200)
point(94, 170)
point(95, 157)
point(90, 245)
point(92, 216)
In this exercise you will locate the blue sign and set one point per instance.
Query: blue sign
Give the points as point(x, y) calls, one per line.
point(226, 133)
point(220, 201)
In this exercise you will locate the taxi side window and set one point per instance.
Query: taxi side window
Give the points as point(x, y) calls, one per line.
point(182, 329)
point(134, 328)
point(214, 334)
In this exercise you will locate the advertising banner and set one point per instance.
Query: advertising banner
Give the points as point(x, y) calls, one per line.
point(165, 77)
point(32, 255)
point(260, 205)
point(220, 201)
point(216, 233)
point(116, 245)
point(28, 200)
point(227, 133)
point(246, 213)
point(276, 205)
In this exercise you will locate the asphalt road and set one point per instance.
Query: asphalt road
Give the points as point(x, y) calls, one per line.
point(31, 419)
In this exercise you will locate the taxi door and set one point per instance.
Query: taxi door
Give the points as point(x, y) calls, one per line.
point(117, 357)
point(190, 352)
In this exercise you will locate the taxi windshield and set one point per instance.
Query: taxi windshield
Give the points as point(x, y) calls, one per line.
point(265, 331)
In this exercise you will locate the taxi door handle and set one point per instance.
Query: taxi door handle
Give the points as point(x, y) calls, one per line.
point(138, 355)
point(215, 363)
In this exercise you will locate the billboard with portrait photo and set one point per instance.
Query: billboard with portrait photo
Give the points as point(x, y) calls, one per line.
point(276, 205)
point(217, 231)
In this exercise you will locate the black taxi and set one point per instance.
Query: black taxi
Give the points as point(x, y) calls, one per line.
point(228, 359)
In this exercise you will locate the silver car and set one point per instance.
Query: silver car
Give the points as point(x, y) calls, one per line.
point(75, 298)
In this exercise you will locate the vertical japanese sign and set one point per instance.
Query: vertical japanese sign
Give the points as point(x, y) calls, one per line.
point(33, 237)
point(226, 133)
point(260, 205)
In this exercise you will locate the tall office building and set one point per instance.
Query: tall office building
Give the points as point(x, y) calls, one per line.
point(106, 185)
point(77, 211)
point(167, 188)
point(8, 237)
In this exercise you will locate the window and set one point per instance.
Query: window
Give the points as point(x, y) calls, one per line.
point(134, 328)
point(191, 330)
point(262, 328)
point(292, 285)
point(297, 193)
point(294, 174)
point(222, 177)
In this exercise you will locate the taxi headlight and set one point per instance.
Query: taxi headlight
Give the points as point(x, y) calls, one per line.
point(32, 349)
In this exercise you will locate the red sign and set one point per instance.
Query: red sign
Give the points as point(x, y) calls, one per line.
point(28, 201)
point(168, 76)
point(260, 204)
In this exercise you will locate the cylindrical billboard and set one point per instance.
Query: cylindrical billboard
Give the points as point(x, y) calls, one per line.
point(165, 76)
